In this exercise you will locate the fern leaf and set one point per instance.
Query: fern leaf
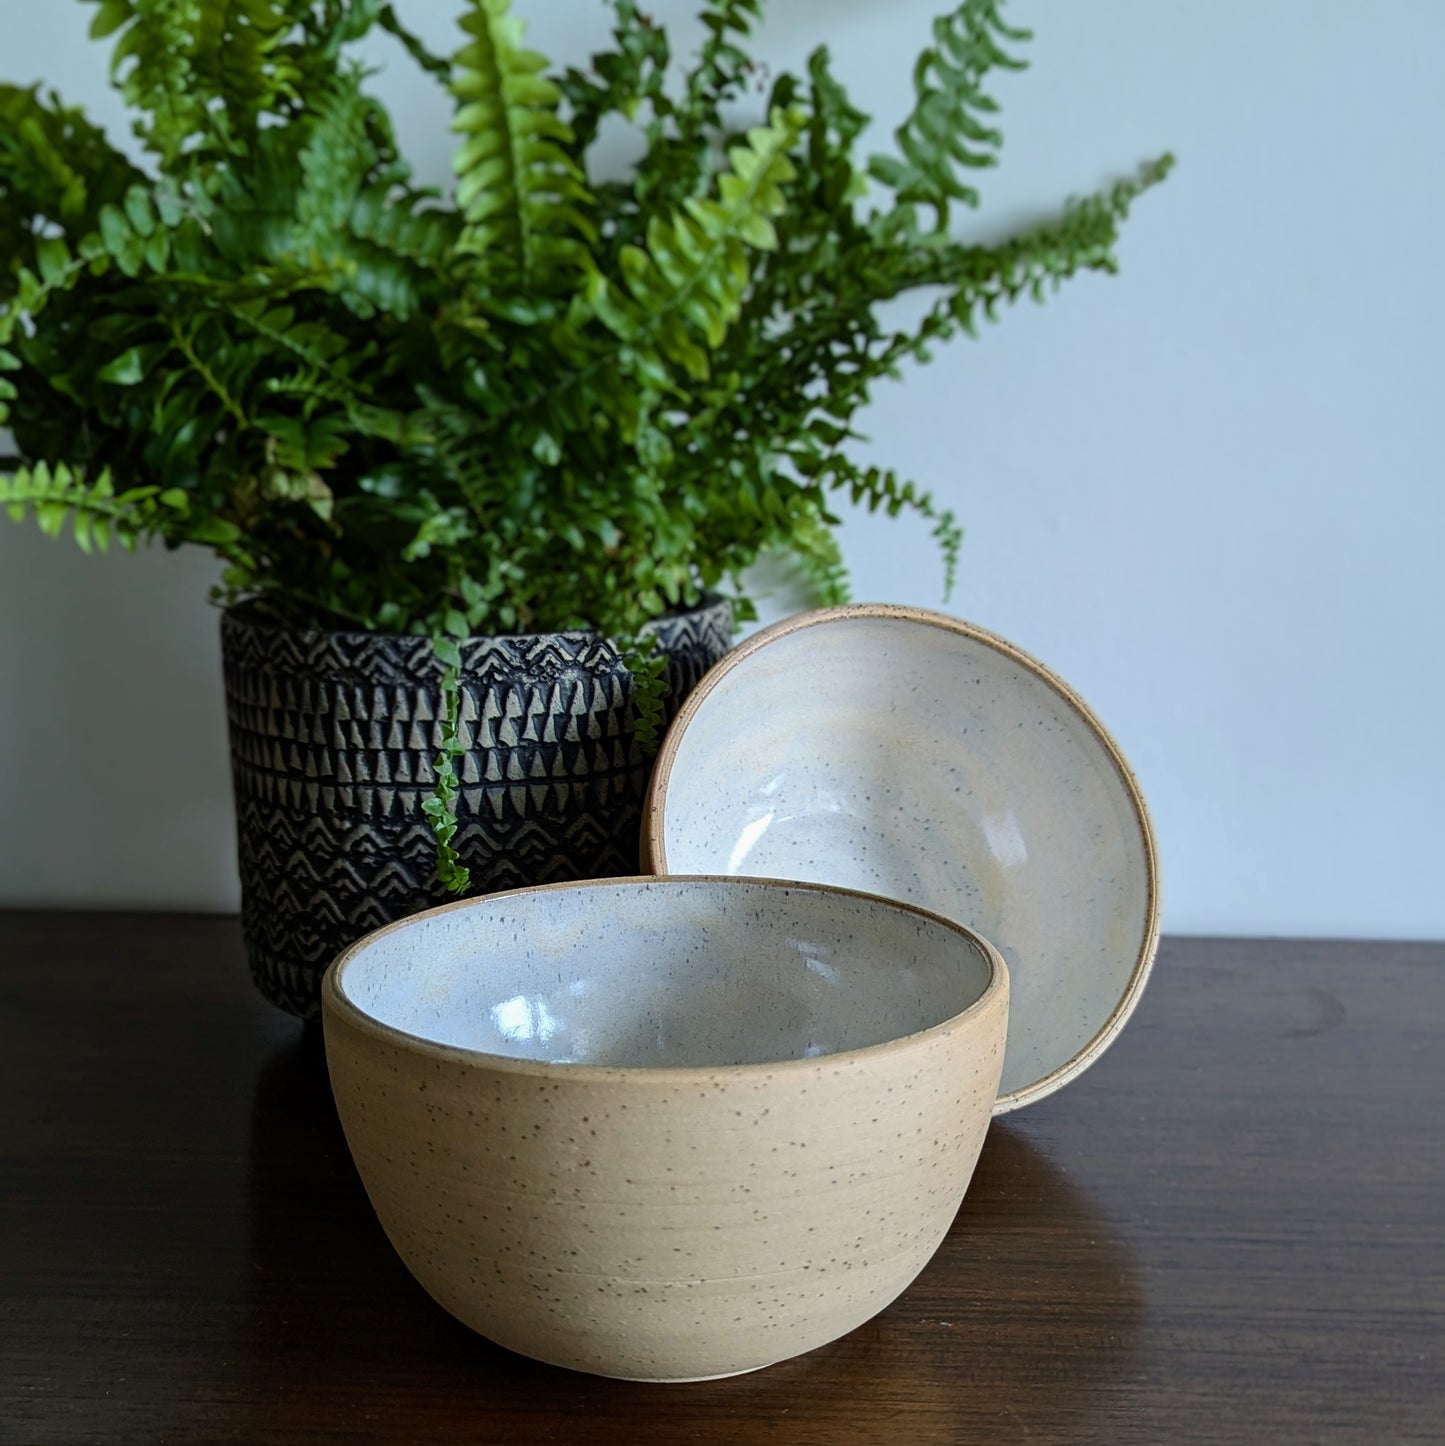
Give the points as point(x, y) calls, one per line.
point(348, 167)
point(693, 273)
point(96, 512)
point(152, 62)
point(336, 158)
point(819, 555)
point(984, 278)
point(523, 196)
point(645, 660)
point(54, 166)
point(320, 378)
point(947, 135)
point(172, 56)
point(396, 251)
point(239, 51)
point(56, 269)
point(435, 65)
point(132, 234)
point(723, 67)
point(621, 79)
point(680, 157)
point(874, 488)
point(405, 225)
point(441, 807)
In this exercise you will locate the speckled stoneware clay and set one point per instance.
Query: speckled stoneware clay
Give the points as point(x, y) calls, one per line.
point(666, 1129)
point(915, 756)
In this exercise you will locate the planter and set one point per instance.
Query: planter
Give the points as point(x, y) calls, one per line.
point(333, 736)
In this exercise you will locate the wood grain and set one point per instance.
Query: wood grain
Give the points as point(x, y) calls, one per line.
point(1232, 1229)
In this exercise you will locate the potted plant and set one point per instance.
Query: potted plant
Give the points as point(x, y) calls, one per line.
point(479, 465)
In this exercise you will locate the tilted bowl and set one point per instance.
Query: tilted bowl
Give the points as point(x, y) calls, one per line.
point(914, 755)
point(666, 1129)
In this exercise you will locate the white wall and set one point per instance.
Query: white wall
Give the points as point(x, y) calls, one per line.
point(1208, 491)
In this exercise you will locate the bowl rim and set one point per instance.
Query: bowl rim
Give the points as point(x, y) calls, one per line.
point(335, 1002)
point(654, 852)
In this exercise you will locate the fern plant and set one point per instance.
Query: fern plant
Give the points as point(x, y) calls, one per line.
point(547, 400)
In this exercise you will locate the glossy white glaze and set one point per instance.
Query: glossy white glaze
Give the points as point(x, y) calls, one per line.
point(653, 974)
point(910, 755)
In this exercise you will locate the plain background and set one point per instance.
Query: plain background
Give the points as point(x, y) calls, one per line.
point(1207, 491)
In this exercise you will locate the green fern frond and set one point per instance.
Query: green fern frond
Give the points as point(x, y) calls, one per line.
point(462, 461)
point(336, 159)
point(405, 224)
point(318, 380)
point(949, 537)
point(820, 235)
point(240, 51)
point(54, 167)
point(681, 141)
point(316, 384)
point(983, 279)
point(819, 556)
point(645, 660)
point(152, 62)
point(171, 55)
point(135, 235)
point(622, 80)
point(312, 342)
point(24, 292)
point(95, 512)
point(523, 197)
point(441, 807)
point(834, 331)
point(836, 122)
point(947, 134)
point(220, 370)
point(9, 362)
point(686, 287)
point(344, 223)
point(874, 488)
point(342, 24)
point(395, 253)
point(722, 69)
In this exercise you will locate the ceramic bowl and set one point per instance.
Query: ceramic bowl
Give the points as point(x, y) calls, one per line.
point(913, 755)
point(666, 1129)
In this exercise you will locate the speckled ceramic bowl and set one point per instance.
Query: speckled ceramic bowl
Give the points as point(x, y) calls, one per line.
point(666, 1129)
point(913, 755)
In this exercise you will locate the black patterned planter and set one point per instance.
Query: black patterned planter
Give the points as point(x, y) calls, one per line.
point(333, 736)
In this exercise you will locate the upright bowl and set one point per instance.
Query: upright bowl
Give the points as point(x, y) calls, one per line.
point(914, 755)
point(666, 1129)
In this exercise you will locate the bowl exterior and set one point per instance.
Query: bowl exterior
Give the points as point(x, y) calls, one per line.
point(666, 1224)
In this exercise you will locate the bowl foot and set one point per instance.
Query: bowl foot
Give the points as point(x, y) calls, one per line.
point(692, 1380)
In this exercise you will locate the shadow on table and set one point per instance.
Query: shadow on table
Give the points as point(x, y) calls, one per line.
point(1024, 1320)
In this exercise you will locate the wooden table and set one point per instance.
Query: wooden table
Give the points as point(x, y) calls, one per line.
point(1232, 1229)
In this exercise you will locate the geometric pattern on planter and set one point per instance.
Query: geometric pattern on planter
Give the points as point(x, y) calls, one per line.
point(333, 736)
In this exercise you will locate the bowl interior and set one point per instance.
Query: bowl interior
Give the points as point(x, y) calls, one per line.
point(665, 972)
point(889, 754)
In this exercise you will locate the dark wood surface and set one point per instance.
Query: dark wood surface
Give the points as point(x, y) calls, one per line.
point(1232, 1229)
